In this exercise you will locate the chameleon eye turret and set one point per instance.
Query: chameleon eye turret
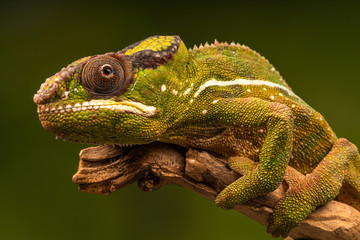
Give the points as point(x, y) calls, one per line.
point(105, 76)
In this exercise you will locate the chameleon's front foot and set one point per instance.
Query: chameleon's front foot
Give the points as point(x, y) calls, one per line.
point(254, 182)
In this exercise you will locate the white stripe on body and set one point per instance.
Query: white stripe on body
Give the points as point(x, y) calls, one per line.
point(242, 82)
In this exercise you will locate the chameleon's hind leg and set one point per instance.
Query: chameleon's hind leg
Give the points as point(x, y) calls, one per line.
point(305, 193)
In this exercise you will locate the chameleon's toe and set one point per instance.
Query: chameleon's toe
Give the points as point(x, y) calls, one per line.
point(288, 213)
point(242, 190)
point(277, 230)
point(225, 199)
point(253, 184)
point(292, 208)
point(235, 192)
point(280, 224)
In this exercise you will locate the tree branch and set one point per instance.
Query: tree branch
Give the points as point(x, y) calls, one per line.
point(103, 170)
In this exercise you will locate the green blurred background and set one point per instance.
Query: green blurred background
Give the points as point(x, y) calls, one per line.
point(315, 45)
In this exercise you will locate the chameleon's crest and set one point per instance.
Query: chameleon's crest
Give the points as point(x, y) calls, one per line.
point(215, 46)
point(153, 51)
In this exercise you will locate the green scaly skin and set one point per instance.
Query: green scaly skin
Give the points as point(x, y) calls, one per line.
point(220, 97)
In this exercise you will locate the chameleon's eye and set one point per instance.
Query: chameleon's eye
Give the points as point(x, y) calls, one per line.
point(103, 76)
point(107, 69)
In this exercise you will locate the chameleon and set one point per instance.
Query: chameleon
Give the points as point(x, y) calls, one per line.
point(219, 97)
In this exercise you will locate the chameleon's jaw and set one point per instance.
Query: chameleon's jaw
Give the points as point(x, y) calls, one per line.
point(94, 121)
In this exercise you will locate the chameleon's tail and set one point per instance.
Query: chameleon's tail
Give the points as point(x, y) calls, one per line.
point(350, 191)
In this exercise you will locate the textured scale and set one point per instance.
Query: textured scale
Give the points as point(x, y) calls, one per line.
point(219, 97)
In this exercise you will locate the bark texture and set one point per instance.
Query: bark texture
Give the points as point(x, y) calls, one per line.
point(103, 170)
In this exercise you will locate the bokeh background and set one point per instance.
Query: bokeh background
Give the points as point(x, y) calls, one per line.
point(315, 46)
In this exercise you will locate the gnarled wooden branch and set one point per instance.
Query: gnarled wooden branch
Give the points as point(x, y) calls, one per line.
point(104, 170)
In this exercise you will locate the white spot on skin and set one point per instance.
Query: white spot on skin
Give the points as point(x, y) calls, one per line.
point(163, 88)
point(280, 94)
point(76, 90)
point(215, 101)
point(265, 89)
point(66, 95)
point(293, 106)
point(187, 91)
point(272, 97)
point(191, 100)
point(320, 118)
point(248, 90)
point(174, 92)
point(243, 82)
point(204, 112)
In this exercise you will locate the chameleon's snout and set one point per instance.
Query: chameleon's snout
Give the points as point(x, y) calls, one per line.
point(47, 89)
point(52, 85)
point(55, 85)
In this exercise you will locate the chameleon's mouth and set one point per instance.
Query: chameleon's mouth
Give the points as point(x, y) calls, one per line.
point(123, 106)
point(95, 121)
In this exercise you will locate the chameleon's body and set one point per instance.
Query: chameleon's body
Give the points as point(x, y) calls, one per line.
point(220, 97)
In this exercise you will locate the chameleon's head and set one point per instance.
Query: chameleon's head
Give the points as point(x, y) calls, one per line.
point(111, 98)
